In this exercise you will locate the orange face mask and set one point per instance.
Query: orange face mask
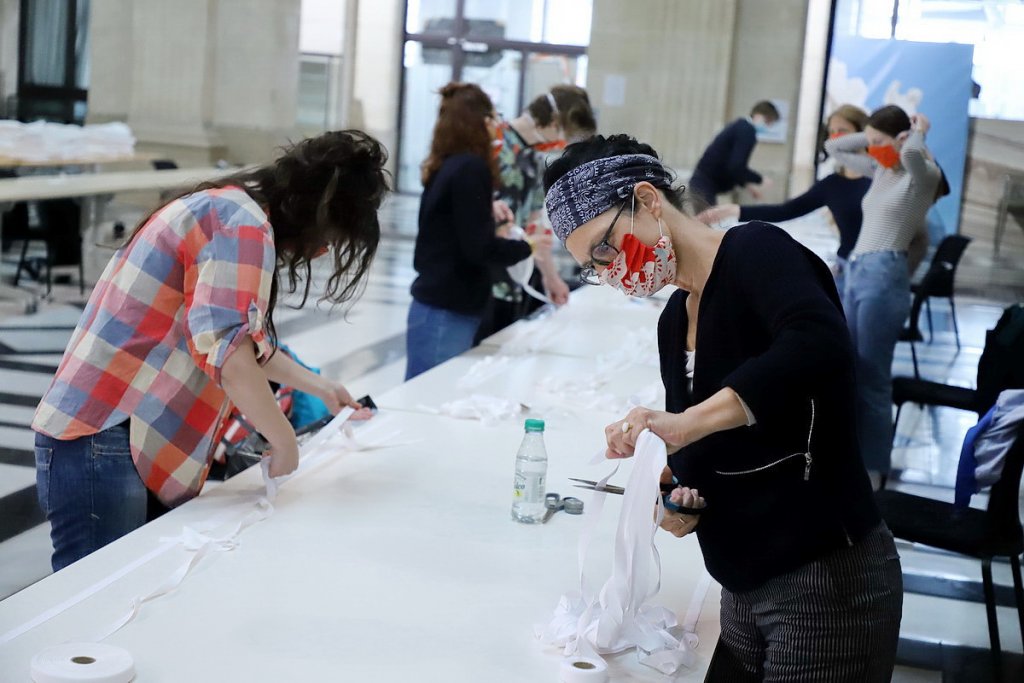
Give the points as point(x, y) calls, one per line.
point(552, 146)
point(837, 134)
point(886, 155)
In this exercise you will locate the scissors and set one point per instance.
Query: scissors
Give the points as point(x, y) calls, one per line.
point(666, 491)
point(553, 502)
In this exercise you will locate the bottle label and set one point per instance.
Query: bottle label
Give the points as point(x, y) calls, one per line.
point(528, 488)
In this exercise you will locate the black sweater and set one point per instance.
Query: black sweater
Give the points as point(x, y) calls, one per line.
point(724, 162)
point(456, 241)
point(771, 327)
point(841, 195)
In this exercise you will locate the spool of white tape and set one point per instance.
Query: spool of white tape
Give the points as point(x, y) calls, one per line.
point(584, 670)
point(83, 663)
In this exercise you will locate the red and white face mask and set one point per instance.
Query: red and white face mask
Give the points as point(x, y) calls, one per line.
point(640, 270)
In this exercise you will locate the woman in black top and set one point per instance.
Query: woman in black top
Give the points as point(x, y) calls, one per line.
point(812, 587)
point(841, 192)
point(456, 241)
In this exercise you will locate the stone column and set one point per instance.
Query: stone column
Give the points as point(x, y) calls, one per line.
point(659, 70)
point(198, 79)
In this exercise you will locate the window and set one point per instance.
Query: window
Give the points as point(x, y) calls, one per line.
point(994, 27)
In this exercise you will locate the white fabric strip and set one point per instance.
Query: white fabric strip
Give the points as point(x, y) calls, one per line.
point(621, 616)
point(197, 541)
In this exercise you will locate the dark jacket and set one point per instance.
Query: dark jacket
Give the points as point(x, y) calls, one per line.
point(723, 165)
point(456, 241)
point(841, 195)
point(771, 328)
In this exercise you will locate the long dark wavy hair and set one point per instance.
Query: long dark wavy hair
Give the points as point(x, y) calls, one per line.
point(461, 127)
point(321, 192)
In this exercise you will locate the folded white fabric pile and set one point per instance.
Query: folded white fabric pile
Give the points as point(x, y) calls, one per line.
point(43, 141)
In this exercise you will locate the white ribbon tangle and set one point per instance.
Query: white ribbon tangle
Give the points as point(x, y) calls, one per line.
point(620, 617)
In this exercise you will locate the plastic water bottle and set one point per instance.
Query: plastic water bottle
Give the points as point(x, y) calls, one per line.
point(531, 474)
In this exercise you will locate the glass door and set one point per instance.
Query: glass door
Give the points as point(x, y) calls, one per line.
point(513, 49)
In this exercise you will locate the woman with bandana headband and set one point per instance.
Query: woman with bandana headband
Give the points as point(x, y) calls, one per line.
point(905, 182)
point(759, 382)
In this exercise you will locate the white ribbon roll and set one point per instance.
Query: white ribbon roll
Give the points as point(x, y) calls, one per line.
point(83, 663)
point(584, 670)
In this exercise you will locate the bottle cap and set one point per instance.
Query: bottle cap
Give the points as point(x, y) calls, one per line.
point(535, 425)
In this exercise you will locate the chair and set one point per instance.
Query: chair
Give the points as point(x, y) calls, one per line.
point(912, 332)
point(1000, 367)
point(943, 272)
point(1011, 203)
point(59, 230)
point(984, 534)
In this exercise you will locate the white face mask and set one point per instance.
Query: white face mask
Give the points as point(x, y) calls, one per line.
point(640, 270)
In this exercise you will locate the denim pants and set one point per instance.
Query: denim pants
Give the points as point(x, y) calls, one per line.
point(90, 491)
point(839, 271)
point(877, 302)
point(434, 335)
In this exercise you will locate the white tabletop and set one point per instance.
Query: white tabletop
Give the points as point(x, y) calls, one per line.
point(547, 385)
point(596, 320)
point(398, 564)
point(39, 187)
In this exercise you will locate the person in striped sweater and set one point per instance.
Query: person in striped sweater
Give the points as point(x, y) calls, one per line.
point(905, 182)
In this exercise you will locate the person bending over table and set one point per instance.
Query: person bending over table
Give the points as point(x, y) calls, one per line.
point(181, 323)
point(759, 420)
point(457, 242)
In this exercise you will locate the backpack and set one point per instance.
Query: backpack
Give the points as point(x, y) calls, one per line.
point(1001, 365)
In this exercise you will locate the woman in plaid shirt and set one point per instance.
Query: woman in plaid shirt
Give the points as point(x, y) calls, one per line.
point(181, 324)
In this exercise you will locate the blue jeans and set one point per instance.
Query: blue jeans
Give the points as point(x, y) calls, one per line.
point(839, 271)
point(434, 335)
point(90, 491)
point(877, 302)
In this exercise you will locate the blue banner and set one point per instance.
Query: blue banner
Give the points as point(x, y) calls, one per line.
point(931, 78)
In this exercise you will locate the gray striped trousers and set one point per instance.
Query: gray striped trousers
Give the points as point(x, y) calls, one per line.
point(833, 619)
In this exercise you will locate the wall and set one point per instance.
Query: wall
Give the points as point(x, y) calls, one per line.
point(673, 60)
point(691, 67)
point(378, 71)
point(205, 79)
point(8, 51)
point(767, 60)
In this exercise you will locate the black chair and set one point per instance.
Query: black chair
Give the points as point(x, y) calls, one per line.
point(59, 230)
point(943, 272)
point(912, 332)
point(984, 534)
point(1000, 367)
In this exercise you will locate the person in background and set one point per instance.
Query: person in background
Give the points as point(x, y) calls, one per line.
point(759, 419)
point(180, 326)
point(841, 192)
point(905, 182)
point(457, 244)
point(527, 142)
point(725, 163)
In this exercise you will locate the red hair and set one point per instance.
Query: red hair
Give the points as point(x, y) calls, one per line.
point(461, 127)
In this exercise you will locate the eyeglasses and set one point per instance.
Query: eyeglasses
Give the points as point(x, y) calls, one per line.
point(602, 254)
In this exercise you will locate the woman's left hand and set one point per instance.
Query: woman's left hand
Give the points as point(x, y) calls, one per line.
point(622, 435)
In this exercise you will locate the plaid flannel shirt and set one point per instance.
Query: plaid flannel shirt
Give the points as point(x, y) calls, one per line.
point(169, 309)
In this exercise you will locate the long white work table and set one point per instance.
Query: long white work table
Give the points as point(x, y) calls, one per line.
point(393, 565)
point(40, 187)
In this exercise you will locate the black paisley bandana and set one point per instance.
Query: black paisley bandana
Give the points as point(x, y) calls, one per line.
point(592, 188)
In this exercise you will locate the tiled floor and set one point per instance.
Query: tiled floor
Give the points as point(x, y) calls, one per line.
point(943, 639)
